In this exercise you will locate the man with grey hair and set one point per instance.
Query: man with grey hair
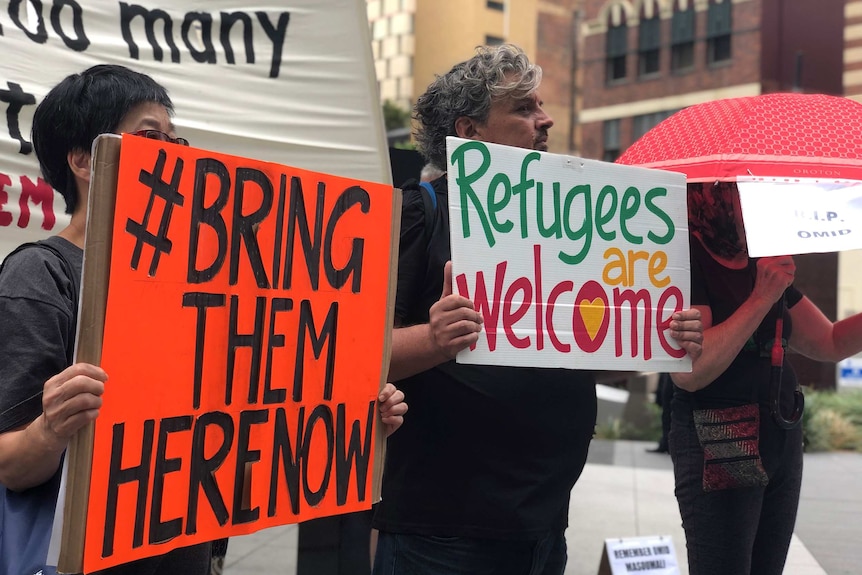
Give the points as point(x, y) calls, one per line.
point(478, 478)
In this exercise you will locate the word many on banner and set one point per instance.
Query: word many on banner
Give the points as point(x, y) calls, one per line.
point(245, 338)
point(573, 263)
point(641, 555)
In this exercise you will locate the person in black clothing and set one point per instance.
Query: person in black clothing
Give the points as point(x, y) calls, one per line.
point(44, 398)
point(478, 478)
point(663, 397)
point(745, 529)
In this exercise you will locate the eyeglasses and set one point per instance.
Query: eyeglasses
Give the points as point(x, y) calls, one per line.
point(160, 136)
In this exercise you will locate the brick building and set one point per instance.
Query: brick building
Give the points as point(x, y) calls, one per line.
point(643, 60)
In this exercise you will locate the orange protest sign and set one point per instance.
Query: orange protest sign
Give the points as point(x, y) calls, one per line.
point(245, 338)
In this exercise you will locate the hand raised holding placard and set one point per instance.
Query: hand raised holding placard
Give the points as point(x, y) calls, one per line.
point(774, 275)
point(687, 329)
point(71, 399)
point(455, 324)
point(35, 355)
point(391, 405)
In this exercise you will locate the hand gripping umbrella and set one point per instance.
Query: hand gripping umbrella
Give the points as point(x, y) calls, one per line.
point(784, 135)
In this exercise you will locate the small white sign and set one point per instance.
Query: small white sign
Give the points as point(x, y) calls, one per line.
point(654, 555)
point(801, 216)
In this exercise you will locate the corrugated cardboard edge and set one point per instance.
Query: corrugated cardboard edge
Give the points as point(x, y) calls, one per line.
point(91, 324)
point(380, 433)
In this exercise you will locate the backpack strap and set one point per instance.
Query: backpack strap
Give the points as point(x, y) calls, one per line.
point(429, 201)
point(429, 207)
point(431, 193)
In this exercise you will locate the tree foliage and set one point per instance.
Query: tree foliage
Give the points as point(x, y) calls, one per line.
point(394, 116)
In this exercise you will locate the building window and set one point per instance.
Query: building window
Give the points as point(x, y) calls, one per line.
point(682, 40)
point(649, 46)
point(499, 6)
point(493, 40)
point(617, 48)
point(718, 32)
point(611, 143)
point(643, 124)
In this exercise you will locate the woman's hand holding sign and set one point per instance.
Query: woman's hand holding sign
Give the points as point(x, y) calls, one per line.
point(687, 329)
point(455, 324)
point(70, 400)
point(30, 455)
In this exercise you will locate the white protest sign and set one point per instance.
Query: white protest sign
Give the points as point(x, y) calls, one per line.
point(573, 263)
point(642, 555)
point(287, 81)
point(801, 216)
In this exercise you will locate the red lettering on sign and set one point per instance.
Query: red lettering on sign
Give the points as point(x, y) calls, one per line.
point(5, 217)
point(594, 314)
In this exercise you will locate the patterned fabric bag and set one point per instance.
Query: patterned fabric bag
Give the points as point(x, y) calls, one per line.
point(731, 454)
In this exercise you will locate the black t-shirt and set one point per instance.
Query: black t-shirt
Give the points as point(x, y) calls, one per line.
point(724, 290)
point(747, 378)
point(485, 451)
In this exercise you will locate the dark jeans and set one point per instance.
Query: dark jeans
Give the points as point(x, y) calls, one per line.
point(743, 531)
point(399, 554)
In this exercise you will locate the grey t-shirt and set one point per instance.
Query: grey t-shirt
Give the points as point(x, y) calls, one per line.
point(37, 326)
point(37, 332)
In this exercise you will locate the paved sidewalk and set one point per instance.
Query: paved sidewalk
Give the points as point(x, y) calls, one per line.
point(626, 491)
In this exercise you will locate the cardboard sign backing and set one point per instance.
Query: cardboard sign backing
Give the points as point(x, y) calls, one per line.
point(243, 312)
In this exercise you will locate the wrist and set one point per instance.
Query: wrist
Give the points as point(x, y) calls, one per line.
point(438, 352)
point(49, 441)
point(761, 301)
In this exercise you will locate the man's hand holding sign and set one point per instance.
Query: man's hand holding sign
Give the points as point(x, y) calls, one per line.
point(455, 324)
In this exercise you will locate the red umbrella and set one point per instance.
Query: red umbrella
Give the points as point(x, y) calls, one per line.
point(773, 135)
point(784, 135)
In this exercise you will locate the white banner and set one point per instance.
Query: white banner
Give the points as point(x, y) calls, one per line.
point(573, 263)
point(288, 81)
point(801, 216)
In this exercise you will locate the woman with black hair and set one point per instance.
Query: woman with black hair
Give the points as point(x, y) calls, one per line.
point(44, 398)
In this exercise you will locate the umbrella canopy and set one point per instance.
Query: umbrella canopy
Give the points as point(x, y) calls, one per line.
point(785, 135)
